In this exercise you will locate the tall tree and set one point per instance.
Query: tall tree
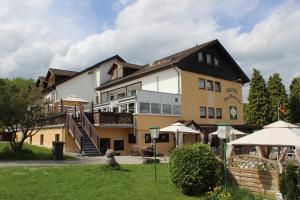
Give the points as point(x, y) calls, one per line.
point(294, 100)
point(20, 110)
point(258, 106)
point(278, 98)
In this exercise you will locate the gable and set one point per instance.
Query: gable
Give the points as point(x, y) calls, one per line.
point(226, 69)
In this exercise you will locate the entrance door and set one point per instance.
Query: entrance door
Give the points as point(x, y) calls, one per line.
point(104, 145)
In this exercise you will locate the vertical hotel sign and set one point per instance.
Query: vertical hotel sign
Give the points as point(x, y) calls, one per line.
point(232, 94)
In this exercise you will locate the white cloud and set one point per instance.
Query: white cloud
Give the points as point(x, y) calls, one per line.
point(145, 30)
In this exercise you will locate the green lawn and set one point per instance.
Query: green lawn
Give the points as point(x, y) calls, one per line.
point(29, 152)
point(87, 182)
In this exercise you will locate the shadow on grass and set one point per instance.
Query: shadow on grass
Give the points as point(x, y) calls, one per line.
point(117, 168)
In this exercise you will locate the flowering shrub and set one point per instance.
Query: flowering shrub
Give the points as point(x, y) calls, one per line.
point(218, 194)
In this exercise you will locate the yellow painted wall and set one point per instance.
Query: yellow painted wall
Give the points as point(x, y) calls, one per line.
point(192, 98)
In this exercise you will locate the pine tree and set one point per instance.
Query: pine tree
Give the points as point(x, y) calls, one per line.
point(258, 107)
point(294, 100)
point(277, 97)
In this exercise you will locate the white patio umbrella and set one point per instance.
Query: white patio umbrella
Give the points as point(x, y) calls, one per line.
point(73, 98)
point(233, 133)
point(179, 129)
point(277, 134)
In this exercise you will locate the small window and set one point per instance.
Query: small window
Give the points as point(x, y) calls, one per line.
point(112, 98)
point(167, 109)
point(122, 95)
point(176, 110)
point(219, 113)
point(201, 84)
point(131, 108)
point(211, 112)
point(202, 112)
point(155, 108)
point(56, 137)
point(233, 112)
point(118, 145)
point(216, 61)
point(163, 137)
point(208, 59)
point(210, 85)
point(200, 56)
point(131, 138)
point(42, 139)
point(147, 138)
point(144, 107)
point(217, 86)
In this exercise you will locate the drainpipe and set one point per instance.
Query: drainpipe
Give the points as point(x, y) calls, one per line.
point(178, 75)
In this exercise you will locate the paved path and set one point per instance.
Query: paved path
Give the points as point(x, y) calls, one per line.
point(81, 160)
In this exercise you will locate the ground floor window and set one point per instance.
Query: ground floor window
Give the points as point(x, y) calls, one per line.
point(56, 137)
point(118, 145)
point(163, 137)
point(131, 138)
point(42, 139)
point(147, 138)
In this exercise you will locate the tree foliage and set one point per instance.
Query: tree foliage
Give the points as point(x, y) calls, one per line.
point(294, 100)
point(20, 110)
point(258, 106)
point(288, 182)
point(277, 97)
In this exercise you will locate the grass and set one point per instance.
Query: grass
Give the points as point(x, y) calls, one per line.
point(29, 152)
point(88, 182)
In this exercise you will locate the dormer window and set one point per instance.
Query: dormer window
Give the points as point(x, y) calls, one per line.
point(200, 57)
point(208, 59)
point(216, 62)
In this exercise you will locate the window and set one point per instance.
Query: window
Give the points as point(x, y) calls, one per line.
point(211, 112)
point(200, 56)
point(216, 61)
point(118, 145)
point(147, 138)
point(176, 110)
point(56, 137)
point(217, 86)
point(131, 138)
point(210, 85)
point(202, 112)
point(122, 95)
point(167, 109)
point(201, 84)
point(123, 108)
point(144, 107)
point(131, 108)
point(112, 97)
point(42, 139)
point(233, 112)
point(164, 137)
point(219, 113)
point(155, 108)
point(208, 59)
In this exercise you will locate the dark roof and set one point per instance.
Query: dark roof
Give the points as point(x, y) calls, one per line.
point(126, 65)
point(167, 62)
point(42, 78)
point(62, 72)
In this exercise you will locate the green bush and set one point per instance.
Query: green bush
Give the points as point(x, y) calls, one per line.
point(194, 169)
point(288, 182)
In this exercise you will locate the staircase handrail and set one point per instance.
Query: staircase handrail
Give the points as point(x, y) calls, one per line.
point(75, 131)
point(90, 130)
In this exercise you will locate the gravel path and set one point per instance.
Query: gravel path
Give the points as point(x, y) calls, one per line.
point(80, 160)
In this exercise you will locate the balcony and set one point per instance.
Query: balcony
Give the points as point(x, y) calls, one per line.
point(111, 119)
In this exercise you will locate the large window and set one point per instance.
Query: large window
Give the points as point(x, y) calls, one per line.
point(155, 108)
point(217, 86)
point(131, 138)
point(119, 145)
point(202, 112)
point(210, 85)
point(176, 110)
point(211, 112)
point(147, 138)
point(163, 137)
point(219, 113)
point(201, 84)
point(167, 109)
point(144, 107)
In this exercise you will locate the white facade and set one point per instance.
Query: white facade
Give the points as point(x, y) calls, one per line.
point(167, 81)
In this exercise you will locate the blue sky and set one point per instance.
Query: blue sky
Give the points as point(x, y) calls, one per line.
point(74, 34)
